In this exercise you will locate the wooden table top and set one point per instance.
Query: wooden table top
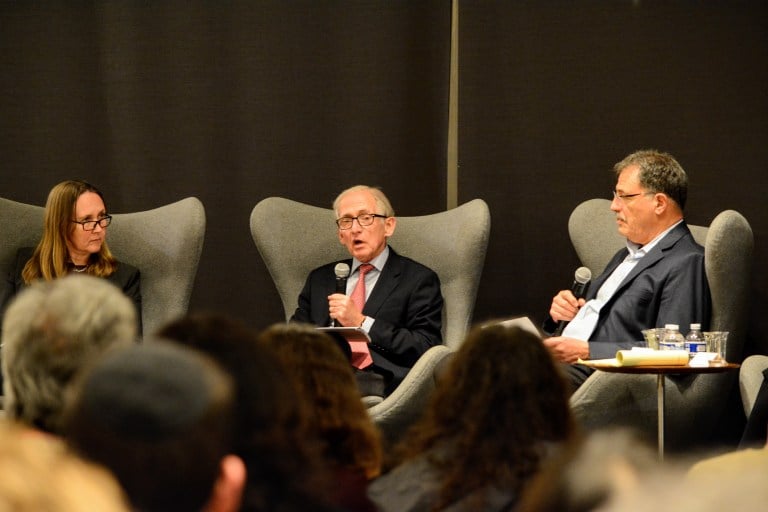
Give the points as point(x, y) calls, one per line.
point(664, 369)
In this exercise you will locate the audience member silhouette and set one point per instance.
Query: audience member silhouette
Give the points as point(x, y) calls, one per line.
point(500, 409)
point(592, 472)
point(734, 481)
point(351, 443)
point(38, 473)
point(51, 330)
point(731, 465)
point(160, 416)
point(272, 434)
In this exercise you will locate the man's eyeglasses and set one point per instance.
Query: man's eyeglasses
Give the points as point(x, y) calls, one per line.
point(364, 219)
point(90, 225)
point(623, 197)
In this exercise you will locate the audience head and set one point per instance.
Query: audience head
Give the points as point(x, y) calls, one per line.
point(38, 473)
point(66, 241)
point(591, 472)
point(272, 436)
point(50, 331)
point(499, 408)
point(666, 490)
point(364, 240)
point(160, 416)
point(324, 375)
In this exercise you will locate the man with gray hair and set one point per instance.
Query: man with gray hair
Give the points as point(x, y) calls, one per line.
point(394, 299)
point(51, 330)
point(658, 278)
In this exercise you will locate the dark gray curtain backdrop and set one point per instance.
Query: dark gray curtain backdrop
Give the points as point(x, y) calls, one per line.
point(236, 101)
point(231, 102)
point(554, 93)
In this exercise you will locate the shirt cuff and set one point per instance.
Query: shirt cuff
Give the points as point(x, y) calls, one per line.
point(367, 324)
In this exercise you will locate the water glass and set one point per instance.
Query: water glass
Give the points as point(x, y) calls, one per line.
point(717, 342)
point(653, 336)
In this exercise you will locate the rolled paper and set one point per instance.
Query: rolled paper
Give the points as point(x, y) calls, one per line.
point(652, 357)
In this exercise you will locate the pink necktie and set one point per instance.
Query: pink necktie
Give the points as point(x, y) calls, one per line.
point(361, 355)
point(358, 294)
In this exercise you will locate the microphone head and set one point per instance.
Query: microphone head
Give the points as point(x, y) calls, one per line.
point(583, 275)
point(342, 270)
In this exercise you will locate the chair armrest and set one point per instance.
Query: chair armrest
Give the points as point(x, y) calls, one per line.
point(406, 403)
point(750, 380)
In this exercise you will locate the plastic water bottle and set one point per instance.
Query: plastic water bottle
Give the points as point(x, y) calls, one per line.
point(672, 339)
point(694, 341)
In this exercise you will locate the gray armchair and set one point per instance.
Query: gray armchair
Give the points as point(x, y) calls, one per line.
point(167, 258)
point(694, 404)
point(750, 379)
point(453, 243)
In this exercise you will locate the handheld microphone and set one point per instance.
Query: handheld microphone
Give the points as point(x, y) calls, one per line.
point(342, 273)
point(581, 280)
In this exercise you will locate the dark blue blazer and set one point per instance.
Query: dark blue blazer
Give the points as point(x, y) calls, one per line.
point(668, 285)
point(406, 305)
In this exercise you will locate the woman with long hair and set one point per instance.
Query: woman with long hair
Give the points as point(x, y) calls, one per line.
point(74, 241)
point(350, 442)
point(500, 409)
point(285, 471)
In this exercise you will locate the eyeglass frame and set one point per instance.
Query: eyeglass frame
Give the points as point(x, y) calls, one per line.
point(352, 220)
point(623, 197)
point(98, 221)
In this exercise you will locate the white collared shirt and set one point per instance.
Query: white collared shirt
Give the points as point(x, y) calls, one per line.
point(585, 321)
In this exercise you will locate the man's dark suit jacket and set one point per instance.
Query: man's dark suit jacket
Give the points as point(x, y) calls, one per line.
point(406, 305)
point(668, 285)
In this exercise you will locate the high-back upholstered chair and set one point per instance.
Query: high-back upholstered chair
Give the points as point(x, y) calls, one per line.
point(167, 258)
point(695, 403)
point(750, 379)
point(294, 238)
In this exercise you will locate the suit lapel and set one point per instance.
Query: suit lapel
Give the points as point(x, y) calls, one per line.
point(386, 284)
point(656, 254)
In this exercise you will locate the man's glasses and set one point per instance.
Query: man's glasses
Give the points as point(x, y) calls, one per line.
point(364, 219)
point(622, 198)
point(90, 225)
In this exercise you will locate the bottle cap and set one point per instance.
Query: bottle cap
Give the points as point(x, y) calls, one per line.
point(672, 326)
point(696, 326)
